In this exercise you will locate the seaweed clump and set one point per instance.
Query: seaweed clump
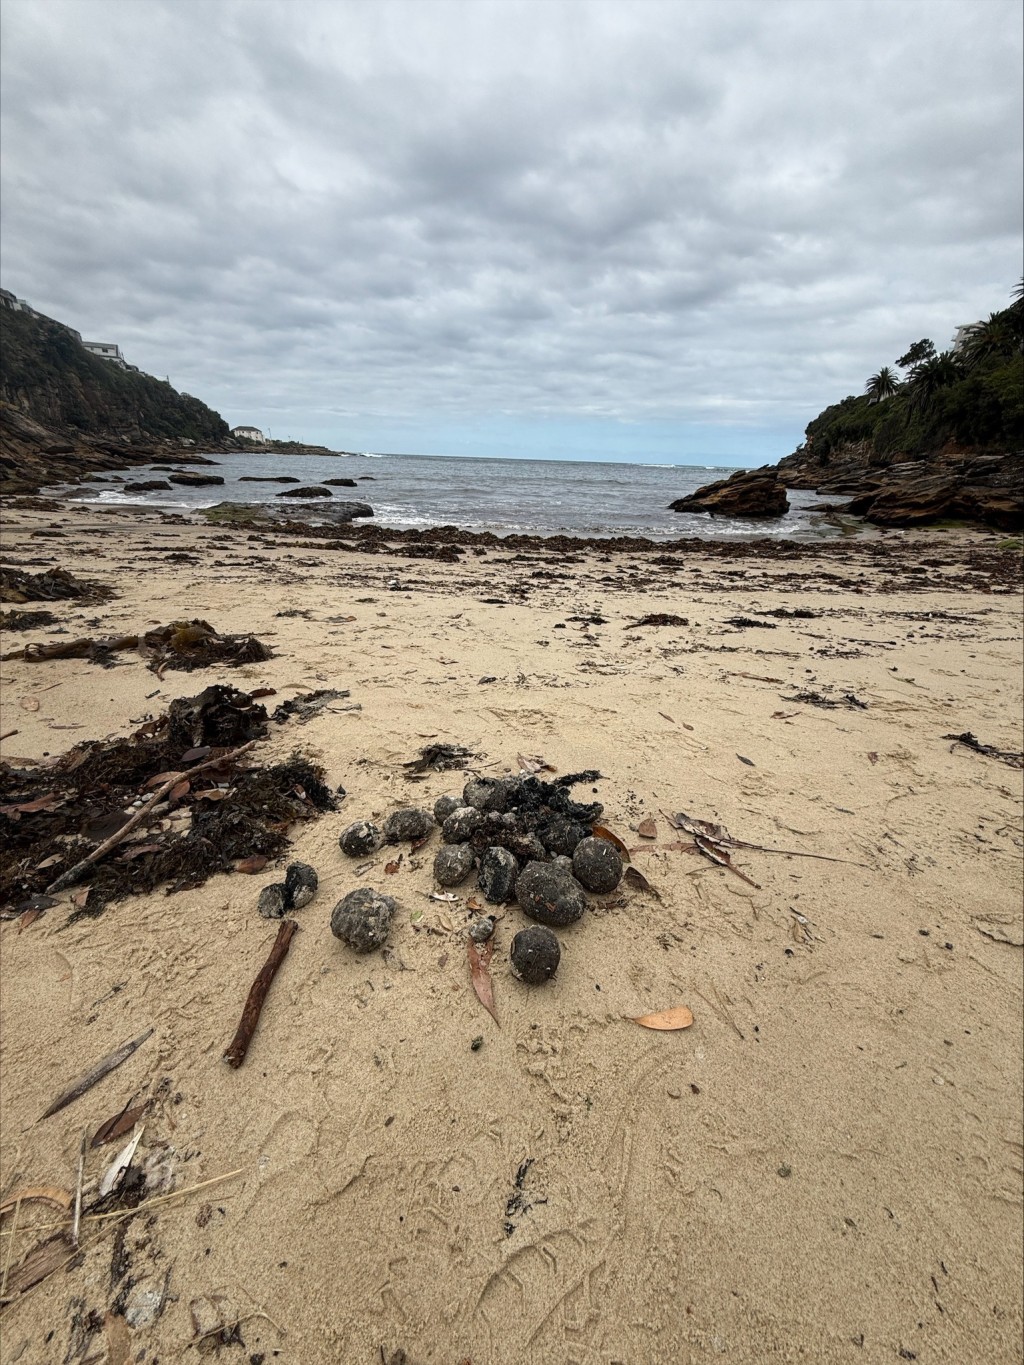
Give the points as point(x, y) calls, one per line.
point(220, 810)
point(52, 585)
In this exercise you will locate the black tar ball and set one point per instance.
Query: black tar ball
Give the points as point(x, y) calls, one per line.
point(535, 955)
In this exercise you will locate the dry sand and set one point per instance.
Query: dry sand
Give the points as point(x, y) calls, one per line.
point(825, 1167)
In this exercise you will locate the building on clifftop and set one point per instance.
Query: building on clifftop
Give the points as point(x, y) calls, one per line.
point(249, 434)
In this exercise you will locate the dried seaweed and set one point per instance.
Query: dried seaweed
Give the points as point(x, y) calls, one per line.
point(26, 620)
point(92, 791)
point(181, 646)
point(441, 758)
point(52, 585)
point(1009, 756)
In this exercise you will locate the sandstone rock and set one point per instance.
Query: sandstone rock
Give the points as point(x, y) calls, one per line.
point(748, 493)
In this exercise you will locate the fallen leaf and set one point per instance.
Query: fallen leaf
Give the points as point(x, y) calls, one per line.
point(118, 1168)
point(748, 761)
point(118, 1339)
point(50, 801)
point(29, 917)
point(52, 861)
point(479, 970)
point(600, 832)
point(215, 794)
point(784, 715)
point(392, 867)
point(474, 904)
point(256, 863)
point(179, 790)
point(668, 718)
point(191, 755)
point(29, 703)
point(679, 1017)
point(139, 850)
point(79, 897)
point(872, 758)
point(685, 726)
point(48, 1194)
point(120, 1124)
point(632, 877)
point(160, 779)
point(718, 855)
point(263, 692)
point(647, 829)
point(418, 843)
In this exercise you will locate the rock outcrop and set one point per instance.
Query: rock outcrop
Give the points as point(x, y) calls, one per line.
point(948, 485)
point(747, 493)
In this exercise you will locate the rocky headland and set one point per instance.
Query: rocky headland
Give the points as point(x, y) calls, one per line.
point(937, 437)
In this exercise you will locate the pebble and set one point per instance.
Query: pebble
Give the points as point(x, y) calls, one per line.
point(300, 884)
point(549, 895)
point(362, 919)
point(498, 873)
point(443, 807)
point(408, 825)
point(360, 838)
point(272, 901)
point(597, 865)
point(461, 824)
point(535, 955)
point(452, 864)
point(482, 929)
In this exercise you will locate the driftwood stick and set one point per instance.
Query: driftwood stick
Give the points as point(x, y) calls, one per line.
point(234, 1054)
point(73, 874)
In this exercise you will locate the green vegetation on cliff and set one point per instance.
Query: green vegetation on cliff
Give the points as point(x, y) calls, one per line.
point(47, 374)
point(971, 397)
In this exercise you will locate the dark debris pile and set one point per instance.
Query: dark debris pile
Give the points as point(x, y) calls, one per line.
point(222, 810)
point(52, 585)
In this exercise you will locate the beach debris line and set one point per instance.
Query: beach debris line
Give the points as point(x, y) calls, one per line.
point(830, 703)
point(96, 1073)
point(26, 620)
point(678, 1017)
point(234, 1053)
point(658, 618)
point(1009, 756)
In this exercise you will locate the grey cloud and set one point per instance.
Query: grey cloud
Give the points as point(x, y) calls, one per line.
point(664, 213)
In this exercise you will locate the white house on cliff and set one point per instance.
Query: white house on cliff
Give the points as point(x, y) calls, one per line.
point(249, 434)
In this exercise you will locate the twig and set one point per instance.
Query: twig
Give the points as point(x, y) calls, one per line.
point(96, 1073)
point(73, 874)
point(7, 734)
point(78, 1190)
point(10, 1250)
point(235, 1052)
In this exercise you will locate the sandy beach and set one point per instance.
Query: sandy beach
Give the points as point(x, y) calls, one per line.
point(826, 1167)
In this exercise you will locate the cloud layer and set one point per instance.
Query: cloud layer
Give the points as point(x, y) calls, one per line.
point(538, 227)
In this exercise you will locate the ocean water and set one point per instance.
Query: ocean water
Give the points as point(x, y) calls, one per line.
point(538, 497)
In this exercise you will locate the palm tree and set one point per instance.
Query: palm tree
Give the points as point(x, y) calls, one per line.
point(937, 372)
point(996, 337)
point(882, 385)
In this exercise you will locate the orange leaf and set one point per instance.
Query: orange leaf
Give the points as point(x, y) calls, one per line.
point(211, 794)
point(600, 832)
point(179, 790)
point(81, 896)
point(392, 868)
point(256, 863)
point(647, 829)
point(28, 917)
point(120, 1124)
point(679, 1017)
point(479, 970)
point(160, 779)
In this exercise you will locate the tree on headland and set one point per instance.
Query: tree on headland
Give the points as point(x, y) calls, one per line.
point(934, 373)
point(918, 353)
point(882, 385)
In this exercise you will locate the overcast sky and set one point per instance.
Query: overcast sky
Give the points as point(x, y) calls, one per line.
point(634, 229)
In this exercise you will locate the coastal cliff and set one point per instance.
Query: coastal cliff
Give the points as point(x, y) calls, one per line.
point(64, 411)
